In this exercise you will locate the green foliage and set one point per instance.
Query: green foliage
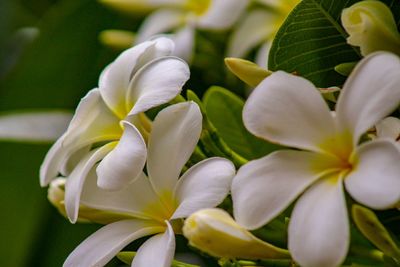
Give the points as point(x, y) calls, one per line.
point(311, 42)
point(224, 109)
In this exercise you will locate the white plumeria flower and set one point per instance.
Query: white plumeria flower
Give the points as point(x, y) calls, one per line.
point(142, 77)
point(289, 110)
point(388, 128)
point(183, 17)
point(259, 27)
point(157, 202)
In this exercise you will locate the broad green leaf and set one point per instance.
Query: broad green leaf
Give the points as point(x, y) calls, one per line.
point(370, 226)
point(311, 42)
point(224, 109)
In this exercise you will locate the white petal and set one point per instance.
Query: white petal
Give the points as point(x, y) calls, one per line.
point(52, 162)
point(74, 185)
point(388, 128)
point(222, 14)
point(184, 43)
point(137, 199)
point(115, 79)
point(123, 165)
point(71, 161)
point(204, 185)
point(93, 122)
point(253, 30)
point(103, 245)
point(319, 227)
point(289, 110)
point(375, 179)
point(176, 131)
point(157, 251)
point(44, 126)
point(370, 93)
point(160, 21)
point(60, 159)
point(265, 187)
point(156, 83)
point(262, 55)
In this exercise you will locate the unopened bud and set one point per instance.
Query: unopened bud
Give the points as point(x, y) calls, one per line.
point(56, 194)
point(216, 233)
point(371, 26)
point(117, 39)
point(247, 71)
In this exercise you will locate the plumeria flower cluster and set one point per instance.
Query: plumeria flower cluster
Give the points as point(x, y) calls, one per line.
point(110, 117)
point(148, 180)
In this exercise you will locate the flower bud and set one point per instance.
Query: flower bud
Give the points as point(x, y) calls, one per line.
point(216, 233)
point(371, 26)
point(56, 194)
point(117, 39)
point(247, 71)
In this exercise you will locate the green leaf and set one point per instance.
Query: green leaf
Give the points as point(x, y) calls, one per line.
point(311, 42)
point(370, 226)
point(224, 109)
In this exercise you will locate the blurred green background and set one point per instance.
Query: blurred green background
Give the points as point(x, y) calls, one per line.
point(48, 69)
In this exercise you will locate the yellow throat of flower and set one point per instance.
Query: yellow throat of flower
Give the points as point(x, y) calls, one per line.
point(199, 7)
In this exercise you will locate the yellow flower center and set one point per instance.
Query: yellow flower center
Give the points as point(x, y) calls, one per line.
point(339, 159)
point(199, 7)
point(163, 208)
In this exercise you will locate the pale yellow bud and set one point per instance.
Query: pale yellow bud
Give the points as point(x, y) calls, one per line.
point(117, 39)
point(247, 71)
point(216, 233)
point(56, 194)
point(371, 26)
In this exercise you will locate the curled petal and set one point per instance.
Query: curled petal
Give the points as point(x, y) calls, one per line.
point(103, 245)
point(115, 79)
point(319, 228)
point(204, 185)
point(123, 165)
point(52, 162)
point(288, 110)
point(157, 251)
point(93, 122)
point(375, 178)
point(156, 83)
point(176, 131)
point(75, 182)
point(370, 93)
